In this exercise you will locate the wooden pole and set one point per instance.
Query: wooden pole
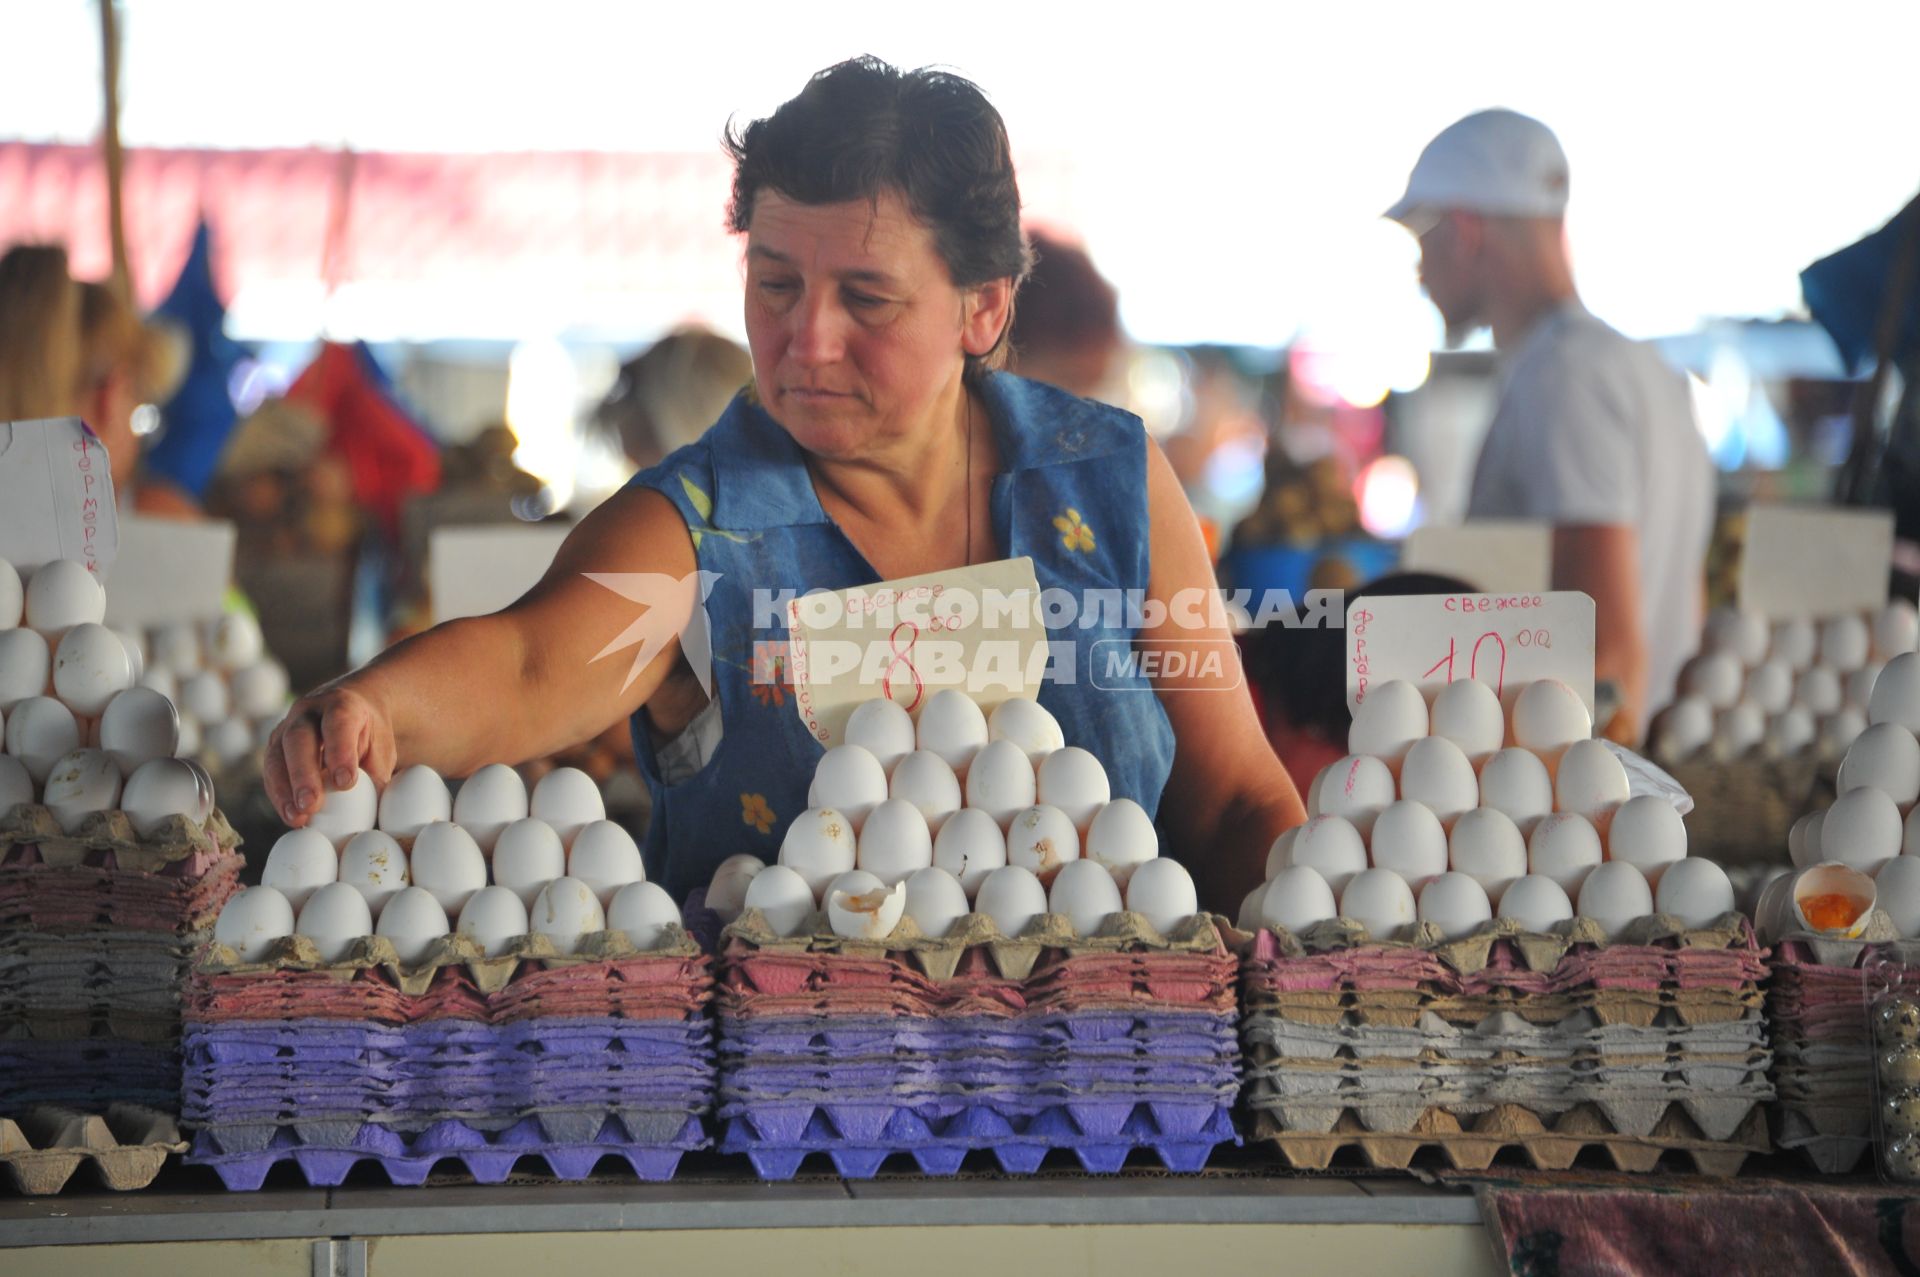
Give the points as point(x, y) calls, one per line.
point(121, 280)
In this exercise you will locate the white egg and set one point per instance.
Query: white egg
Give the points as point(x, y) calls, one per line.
point(952, 726)
point(1084, 894)
point(1859, 686)
point(250, 922)
point(203, 783)
point(1590, 780)
point(1315, 785)
point(1487, 846)
point(1790, 735)
point(1819, 689)
point(61, 595)
point(1896, 889)
point(333, 917)
point(374, 864)
point(161, 680)
point(1564, 847)
point(411, 921)
point(849, 780)
point(344, 813)
point(1248, 918)
point(727, 893)
point(446, 861)
point(1379, 900)
point(606, 858)
point(1357, 788)
point(1121, 838)
point(230, 742)
point(568, 800)
point(1803, 840)
point(883, 729)
point(1862, 830)
point(1845, 643)
point(235, 642)
point(176, 649)
point(1388, 722)
point(1041, 840)
point(819, 846)
point(1438, 775)
point(301, 863)
point(1013, 898)
point(158, 791)
point(1297, 898)
point(1839, 731)
point(1331, 846)
point(1694, 891)
point(1685, 729)
point(414, 799)
point(1828, 880)
point(1162, 892)
point(490, 800)
point(493, 918)
point(1740, 634)
point(90, 667)
point(861, 907)
point(1410, 840)
point(1613, 895)
point(566, 910)
point(644, 911)
point(1738, 731)
point(1715, 677)
point(1896, 631)
point(1909, 844)
point(16, 786)
point(526, 857)
point(26, 667)
point(1073, 781)
point(895, 844)
point(783, 898)
point(1467, 712)
point(1885, 757)
point(1770, 686)
point(970, 846)
point(13, 596)
point(1548, 716)
point(924, 779)
point(1001, 781)
point(1027, 724)
point(1516, 782)
point(935, 901)
point(1647, 833)
point(40, 732)
point(204, 695)
point(260, 690)
point(1796, 642)
point(1537, 902)
point(1456, 904)
point(1280, 853)
point(80, 784)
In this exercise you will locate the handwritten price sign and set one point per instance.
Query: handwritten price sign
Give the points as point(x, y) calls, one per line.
point(1504, 640)
point(56, 496)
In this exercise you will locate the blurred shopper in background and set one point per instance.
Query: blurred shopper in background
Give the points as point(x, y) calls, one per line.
point(1066, 329)
point(667, 396)
point(1594, 433)
point(39, 333)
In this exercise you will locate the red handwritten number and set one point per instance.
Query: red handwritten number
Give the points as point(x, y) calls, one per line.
point(1446, 660)
point(902, 656)
point(1473, 666)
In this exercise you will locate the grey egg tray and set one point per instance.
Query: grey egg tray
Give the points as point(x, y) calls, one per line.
point(1505, 1033)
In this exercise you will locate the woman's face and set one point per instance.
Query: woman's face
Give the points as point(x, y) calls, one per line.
point(857, 330)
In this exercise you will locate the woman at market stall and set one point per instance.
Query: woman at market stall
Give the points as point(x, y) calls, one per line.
point(883, 253)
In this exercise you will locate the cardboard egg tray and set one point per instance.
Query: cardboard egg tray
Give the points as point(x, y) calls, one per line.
point(1823, 1044)
point(861, 1050)
point(1653, 1044)
point(565, 1057)
point(108, 839)
point(88, 1073)
point(42, 1148)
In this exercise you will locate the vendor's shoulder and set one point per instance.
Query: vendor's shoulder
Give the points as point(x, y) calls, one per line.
point(1049, 425)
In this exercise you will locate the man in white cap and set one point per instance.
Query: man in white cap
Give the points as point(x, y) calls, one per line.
point(1594, 433)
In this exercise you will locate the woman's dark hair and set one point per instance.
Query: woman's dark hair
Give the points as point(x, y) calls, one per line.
point(862, 128)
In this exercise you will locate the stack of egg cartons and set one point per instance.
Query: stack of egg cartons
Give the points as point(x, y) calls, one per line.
point(1471, 946)
point(113, 861)
point(1853, 897)
point(935, 967)
point(343, 1015)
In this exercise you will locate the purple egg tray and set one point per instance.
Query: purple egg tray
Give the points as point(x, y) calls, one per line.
point(858, 1138)
point(88, 1073)
point(1173, 1033)
point(571, 1145)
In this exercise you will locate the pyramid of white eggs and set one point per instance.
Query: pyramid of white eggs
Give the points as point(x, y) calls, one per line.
point(81, 734)
point(1456, 813)
point(1781, 690)
point(416, 863)
point(1873, 826)
point(231, 694)
point(959, 812)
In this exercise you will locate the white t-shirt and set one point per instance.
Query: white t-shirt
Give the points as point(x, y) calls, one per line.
point(1593, 428)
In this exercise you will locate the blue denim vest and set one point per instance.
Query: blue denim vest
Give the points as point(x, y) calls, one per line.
point(1072, 494)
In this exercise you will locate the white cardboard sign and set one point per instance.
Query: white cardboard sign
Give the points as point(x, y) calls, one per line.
point(1813, 561)
point(479, 569)
point(1504, 640)
point(167, 570)
point(56, 496)
point(1506, 555)
point(976, 628)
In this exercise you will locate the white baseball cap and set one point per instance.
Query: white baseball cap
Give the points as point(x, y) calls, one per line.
point(1498, 162)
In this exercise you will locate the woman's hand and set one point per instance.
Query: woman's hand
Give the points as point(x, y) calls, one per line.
point(324, 738)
